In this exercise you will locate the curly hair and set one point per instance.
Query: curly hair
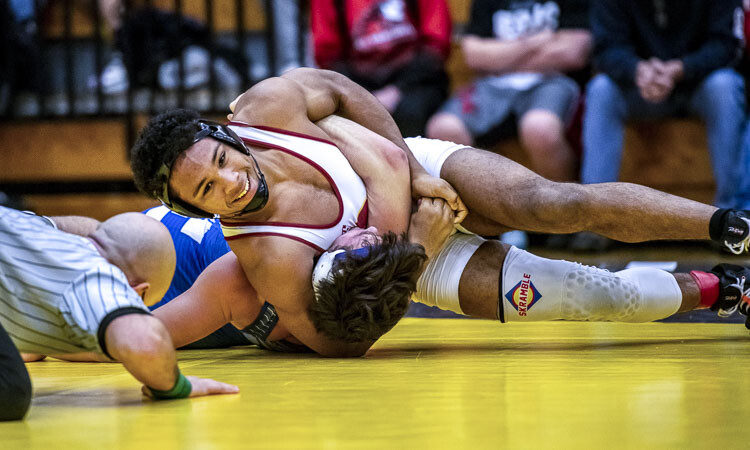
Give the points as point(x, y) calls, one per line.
point(160, 142)
point(367, 295)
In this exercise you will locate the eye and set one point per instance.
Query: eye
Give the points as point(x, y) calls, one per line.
point(208, 187)
point(222, 158)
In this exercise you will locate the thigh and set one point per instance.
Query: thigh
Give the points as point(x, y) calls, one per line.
point(559, 95)
point(500, 190)
point(481, 106)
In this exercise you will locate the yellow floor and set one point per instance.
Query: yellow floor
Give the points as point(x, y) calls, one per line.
point(430, 383)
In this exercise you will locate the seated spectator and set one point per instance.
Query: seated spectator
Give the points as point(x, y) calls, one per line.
point(658, 60)
point(523, 50)
point(394, 48)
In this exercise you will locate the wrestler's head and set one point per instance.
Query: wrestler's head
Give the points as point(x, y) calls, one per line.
point(196, 167)
point(363, 284)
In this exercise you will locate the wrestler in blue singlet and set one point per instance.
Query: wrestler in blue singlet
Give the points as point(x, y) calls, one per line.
point(197, 243)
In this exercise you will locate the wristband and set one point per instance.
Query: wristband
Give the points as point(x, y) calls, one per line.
point(181, 389)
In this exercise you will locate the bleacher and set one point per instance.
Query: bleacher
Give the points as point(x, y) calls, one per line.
point(72, 159)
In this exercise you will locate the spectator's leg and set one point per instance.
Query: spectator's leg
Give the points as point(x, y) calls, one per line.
point(473, 112)
point(720, 101)
point(15, 385)
point(742, 198)
point(603, 131)
point(544, 112)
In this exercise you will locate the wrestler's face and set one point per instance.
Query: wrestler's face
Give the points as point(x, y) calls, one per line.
point(214, 177)
point(356, 238)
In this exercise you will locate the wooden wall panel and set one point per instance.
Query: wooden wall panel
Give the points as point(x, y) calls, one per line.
point(70, 150)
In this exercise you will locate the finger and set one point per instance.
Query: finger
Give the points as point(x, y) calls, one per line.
point(461, 212)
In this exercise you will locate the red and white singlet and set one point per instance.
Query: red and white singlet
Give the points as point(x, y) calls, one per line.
point(325, 157)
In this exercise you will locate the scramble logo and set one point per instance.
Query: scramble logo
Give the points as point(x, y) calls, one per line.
point(524, 295)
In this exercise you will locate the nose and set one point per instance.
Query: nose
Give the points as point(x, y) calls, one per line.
point(372, 229)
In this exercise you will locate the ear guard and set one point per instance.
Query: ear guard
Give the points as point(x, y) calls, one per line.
point(324, 269)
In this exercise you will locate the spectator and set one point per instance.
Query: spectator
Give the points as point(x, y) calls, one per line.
point(664, 59)
point(146, 37)
point(394, 48)
point(523, 49)
point(20, 53)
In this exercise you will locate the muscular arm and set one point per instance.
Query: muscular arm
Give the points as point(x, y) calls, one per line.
point(221, 294)
point(281, 272)
point(559, 51)
point(302, 96)
point(142, 344)
point(383, 168)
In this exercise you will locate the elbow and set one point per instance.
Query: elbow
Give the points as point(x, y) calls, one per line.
point(396, 158)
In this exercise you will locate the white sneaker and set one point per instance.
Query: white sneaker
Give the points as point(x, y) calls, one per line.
point(113, 79)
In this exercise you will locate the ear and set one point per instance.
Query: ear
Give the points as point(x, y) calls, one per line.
point(141, 289)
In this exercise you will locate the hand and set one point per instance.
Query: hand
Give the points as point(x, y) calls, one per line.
point(201, 387)
point(389, 96)
point(431, 224)
point(425, 185)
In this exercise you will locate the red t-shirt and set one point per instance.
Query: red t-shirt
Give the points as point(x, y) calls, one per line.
point(382, 35)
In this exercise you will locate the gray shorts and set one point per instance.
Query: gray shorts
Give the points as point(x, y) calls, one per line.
point(486, 108)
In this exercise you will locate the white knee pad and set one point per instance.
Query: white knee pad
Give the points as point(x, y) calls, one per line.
point(537, 289)
point(438, 285)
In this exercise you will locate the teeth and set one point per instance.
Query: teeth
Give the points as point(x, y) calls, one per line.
point(244, 191)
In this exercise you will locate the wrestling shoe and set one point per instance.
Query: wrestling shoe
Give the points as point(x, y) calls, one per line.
point(731, 228)
point(734, 290)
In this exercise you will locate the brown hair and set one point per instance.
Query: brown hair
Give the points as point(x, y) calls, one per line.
point(367, 295)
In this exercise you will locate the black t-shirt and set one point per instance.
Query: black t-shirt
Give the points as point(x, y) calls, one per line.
point(512, 19)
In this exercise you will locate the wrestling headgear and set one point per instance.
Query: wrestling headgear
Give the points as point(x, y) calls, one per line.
point(323, 270)
point(224, 135)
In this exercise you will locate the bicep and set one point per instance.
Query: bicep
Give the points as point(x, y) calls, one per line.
point(205, 307)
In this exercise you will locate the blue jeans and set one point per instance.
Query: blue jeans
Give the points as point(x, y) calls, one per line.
point(719, 100)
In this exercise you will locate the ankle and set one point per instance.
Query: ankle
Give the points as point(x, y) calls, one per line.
point(708, 285)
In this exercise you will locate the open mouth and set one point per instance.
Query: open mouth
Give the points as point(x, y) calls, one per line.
point(243, 193)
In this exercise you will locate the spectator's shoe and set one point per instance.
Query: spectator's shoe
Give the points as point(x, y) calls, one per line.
point(114, 77)
point(734, 290)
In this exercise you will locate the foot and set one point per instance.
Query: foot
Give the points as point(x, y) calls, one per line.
point(734, 227)
point(734, 290)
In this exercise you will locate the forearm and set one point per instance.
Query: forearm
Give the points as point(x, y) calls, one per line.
point(568, 50)
point(142, 344)
point(80, 225)
point(357, 104)
point(492, 55)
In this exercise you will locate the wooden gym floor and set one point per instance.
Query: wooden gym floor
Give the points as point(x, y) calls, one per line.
point(429, 383)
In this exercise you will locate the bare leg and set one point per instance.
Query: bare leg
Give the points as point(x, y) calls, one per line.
point(511, 195)
point(479, 288)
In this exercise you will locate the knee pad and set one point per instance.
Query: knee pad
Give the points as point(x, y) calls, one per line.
point(535, 289)
point(438, 285)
